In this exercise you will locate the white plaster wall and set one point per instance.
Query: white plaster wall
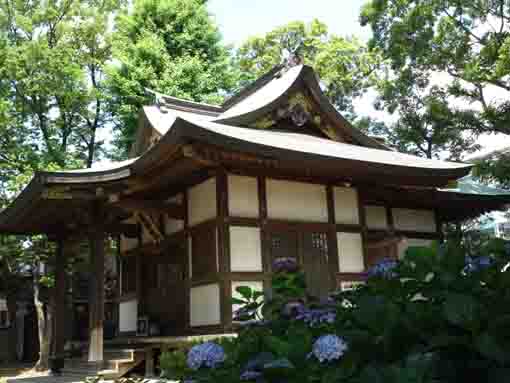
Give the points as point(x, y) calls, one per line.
point(173, 225)
point(128, 316)
point(296, 201)
point(205, 305)
point(202, 202)
point(405, 243)
point(126, 243)
point(350, 252)
point(376, 217)
point(243, 196)
point(346, 205)
point(254, 285)
point(414, 220)
point(245, 249)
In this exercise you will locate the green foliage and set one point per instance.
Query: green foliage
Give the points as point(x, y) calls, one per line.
point(53, 100)
point(344, 65)
point(441, 317)
point(462, 46)
point(169, 46)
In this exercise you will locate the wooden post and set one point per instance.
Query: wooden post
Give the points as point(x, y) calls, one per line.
point(60, 291)
point(149, 363)
point(332, 239)
point(96, 295)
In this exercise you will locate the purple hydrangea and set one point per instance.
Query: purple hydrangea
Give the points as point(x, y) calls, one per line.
point(207, 354)
point(293, 308)
point(384, 268)
point(285, 264)
point(329, 347)
point(243, 314)
point(474, 264)
point(316, 317)
point(251, 375)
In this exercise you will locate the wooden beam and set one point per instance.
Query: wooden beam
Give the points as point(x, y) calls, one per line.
point(173, 210)
point(129, 230)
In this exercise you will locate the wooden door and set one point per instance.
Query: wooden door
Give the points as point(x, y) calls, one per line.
point(310, 249)
point(315, 263)
point(165, 295)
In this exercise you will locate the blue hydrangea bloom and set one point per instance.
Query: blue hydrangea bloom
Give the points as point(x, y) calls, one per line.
point(250, 375)
point(207, 355)
point(316, 317)
point(285, 264)
point(474, 264)
point(329, 347)
point(384, 268)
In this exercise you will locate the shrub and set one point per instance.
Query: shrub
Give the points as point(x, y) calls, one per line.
point(435, 316)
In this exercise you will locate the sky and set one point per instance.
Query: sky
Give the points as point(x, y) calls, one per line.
point(240, 19)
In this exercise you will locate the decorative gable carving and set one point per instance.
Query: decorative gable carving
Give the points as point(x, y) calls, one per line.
point(299, 114)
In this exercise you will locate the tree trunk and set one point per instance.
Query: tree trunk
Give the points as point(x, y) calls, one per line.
point(45, 326)
point(12, 307)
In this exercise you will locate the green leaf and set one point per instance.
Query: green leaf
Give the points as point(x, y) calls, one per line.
point(489, 347)
point(461, 310)
point(245, 291)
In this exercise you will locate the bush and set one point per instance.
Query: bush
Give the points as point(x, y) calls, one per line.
point(435, 316)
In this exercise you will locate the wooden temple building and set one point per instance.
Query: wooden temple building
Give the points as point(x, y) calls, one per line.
point(213, 194)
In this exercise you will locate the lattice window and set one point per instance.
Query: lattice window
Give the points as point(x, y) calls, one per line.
point(283, 245)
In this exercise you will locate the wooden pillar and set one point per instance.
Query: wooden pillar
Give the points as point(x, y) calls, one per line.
point(59, 292)
point(333, 260)
point(224, 248)
point(96, 295)
point(363, 225)
point(149, 363)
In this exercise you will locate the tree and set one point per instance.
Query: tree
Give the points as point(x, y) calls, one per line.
point(467, 41)
point(427, 125)
point(462, 44)
point(344, 65)
point(170, 46)
point(52, 107)
point(52, 55)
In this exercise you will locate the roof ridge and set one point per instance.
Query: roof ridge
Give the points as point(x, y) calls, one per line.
point(180, 103)
point(252, 87)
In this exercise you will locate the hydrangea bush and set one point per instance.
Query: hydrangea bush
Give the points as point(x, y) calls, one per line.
point(435, 316)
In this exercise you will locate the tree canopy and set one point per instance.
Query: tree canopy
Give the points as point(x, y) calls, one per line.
point(169, 46)
point(344, 65)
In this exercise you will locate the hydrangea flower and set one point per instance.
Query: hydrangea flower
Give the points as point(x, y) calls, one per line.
point(383, 268)
point(207, 354)
point(250, 375)
point(293, 308)
point(285, 264)
point(244, 314)
point(316, 317)
point(329, 347)
point(474, 264)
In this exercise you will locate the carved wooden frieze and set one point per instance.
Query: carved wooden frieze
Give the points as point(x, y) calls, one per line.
point(302, 114)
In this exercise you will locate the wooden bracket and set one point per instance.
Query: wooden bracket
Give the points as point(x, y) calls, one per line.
point(149, 225)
